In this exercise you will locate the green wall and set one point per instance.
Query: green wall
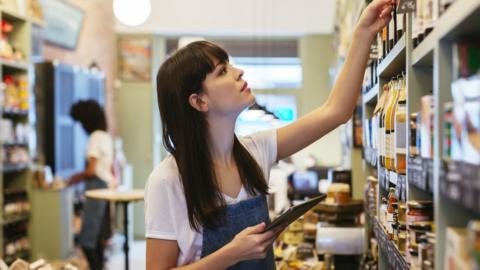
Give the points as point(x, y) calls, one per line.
point(139, 127)
point(134, 114)
point(317, 54)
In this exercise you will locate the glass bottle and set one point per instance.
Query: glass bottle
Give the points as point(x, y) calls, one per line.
point(391, 200)
point(380, 111)
point(401, 129)
point(389, 128)
point(384, 41)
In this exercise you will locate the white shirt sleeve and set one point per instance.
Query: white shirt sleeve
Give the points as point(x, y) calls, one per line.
point(159, 206)
point(263, 147)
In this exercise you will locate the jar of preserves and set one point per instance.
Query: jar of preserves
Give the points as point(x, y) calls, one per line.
point(338, 193)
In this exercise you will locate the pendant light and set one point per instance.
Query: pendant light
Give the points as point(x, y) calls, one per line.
point(132, 12)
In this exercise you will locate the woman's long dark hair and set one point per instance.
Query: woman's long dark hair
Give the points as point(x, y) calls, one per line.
point(186, 137)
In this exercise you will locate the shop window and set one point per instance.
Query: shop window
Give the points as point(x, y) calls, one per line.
point(271, 72)
point(270, 111)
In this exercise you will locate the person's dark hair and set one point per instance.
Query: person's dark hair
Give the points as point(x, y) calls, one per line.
point(90, 114)
point(185, 134)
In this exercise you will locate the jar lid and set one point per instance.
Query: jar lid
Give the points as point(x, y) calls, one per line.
point(420, 204)
point(339, 187)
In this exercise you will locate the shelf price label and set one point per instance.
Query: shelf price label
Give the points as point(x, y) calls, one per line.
point(406, 6)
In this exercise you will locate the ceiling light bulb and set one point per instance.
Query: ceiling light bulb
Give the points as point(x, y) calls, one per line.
point(132, 12)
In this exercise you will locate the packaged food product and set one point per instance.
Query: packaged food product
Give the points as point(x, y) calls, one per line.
point(338, 193)
point(456, 253)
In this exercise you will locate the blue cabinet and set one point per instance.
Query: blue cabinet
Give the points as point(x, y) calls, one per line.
point(62, 142)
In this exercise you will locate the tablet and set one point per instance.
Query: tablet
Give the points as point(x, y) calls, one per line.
point(295, 212)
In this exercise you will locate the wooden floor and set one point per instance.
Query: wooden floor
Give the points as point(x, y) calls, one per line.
point(116, 261)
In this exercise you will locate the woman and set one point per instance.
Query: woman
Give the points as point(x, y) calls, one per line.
point(98, 174)
point(205, 204)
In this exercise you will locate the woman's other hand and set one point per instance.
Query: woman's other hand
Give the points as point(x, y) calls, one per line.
point(376, 16)
point(253, 242)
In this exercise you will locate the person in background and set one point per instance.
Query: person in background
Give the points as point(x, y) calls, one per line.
point(205, 205)
point(98, 174)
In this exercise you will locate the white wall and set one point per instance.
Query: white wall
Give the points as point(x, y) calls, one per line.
point(238, 18)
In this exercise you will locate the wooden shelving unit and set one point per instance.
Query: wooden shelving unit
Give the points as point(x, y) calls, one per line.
point(450, 185)
point(16, 176)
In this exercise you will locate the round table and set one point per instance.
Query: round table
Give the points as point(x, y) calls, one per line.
point(123, 197)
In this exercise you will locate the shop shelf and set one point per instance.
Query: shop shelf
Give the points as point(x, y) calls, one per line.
point(354, 206)
point(370, 96)
point(420, 173)
point(462, 19)
point(395, 61)
point(12, 15)
point(395, 259)
point(422, 55)
point(16, 218)
point(16, 65)
point(12, 168)
point(459, 182)
point(9, 113)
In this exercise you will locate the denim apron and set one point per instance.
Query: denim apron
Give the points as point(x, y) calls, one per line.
point(239, 216)
point(93, 217)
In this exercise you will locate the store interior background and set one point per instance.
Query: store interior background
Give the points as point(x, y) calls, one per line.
point(317, 35)
point(131, 107)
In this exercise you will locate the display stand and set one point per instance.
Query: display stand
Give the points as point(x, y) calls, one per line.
point(15, 177)
point(428, 67)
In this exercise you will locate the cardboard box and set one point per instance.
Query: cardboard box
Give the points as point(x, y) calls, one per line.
point(456, 252)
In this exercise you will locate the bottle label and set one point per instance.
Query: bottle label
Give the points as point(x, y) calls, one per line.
point(400, 22)
point(381, 137)
point(387, 144)
point(400, 135)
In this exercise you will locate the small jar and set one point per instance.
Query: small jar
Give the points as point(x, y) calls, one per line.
point(338, 193)
point(402, 213)
point(418, 230)
point(402, 242)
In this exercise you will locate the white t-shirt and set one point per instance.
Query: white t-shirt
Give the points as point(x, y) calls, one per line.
point(166, 215)
point(100, 146)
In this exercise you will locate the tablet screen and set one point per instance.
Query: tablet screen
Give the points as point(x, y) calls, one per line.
point(295, 212)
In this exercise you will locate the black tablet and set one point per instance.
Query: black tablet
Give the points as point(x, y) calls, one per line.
point(295, 212)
